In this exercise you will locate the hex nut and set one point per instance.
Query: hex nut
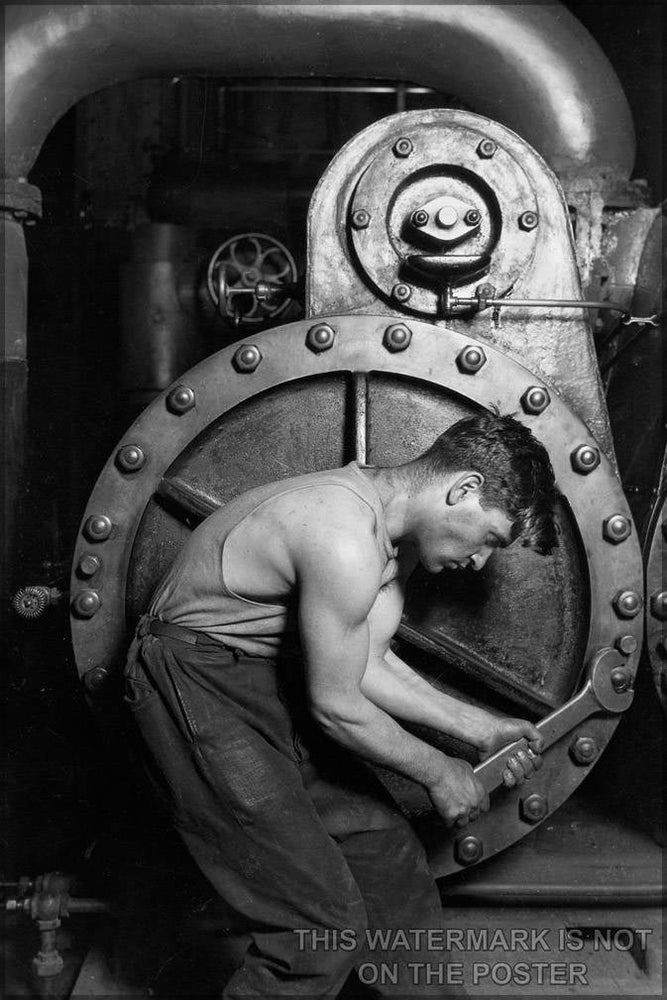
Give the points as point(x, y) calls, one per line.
point(97, 528)
point(419, 218)
point(471, 359)
point(616, 529)
point(180, 399)
point(397, 337)
point(402, 147)
point(627, 603)
point(486, 149)
point(88, 565)
point(468, 850)
point(401, 292)
point(247, 358)
point(320, 337)
point(95, 678)
point(659, 605)
point(621, 679)
point(585, 459)
point(626, 644)
point(535, 399)
point(472, 217)
point(584, 750)
point(360, 219)
point(533, 808)
point(130, 458)
point(86, 604)
point(528, 221)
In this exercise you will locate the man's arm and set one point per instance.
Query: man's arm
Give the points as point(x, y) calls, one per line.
point(399, 690)
point(338, 579)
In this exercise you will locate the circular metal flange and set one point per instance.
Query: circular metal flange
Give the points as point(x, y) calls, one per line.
point(101, 642)
point(656, 587)
point(442, 162)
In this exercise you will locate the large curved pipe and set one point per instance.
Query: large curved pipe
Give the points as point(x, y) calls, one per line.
point(531, 66)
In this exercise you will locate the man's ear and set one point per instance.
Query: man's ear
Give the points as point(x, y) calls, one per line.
point(465, 484)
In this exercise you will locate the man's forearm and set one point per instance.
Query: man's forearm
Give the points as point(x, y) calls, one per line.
point(367, 730)
point(397, 689)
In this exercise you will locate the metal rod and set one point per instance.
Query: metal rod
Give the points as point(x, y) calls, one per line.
point(538, 303)
point(360, 417)
point(556, 895)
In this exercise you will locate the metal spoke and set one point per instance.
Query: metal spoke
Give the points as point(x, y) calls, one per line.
point(194, 503)
point(360, 417)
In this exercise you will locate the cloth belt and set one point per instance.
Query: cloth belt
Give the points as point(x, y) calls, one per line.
point(156, 627)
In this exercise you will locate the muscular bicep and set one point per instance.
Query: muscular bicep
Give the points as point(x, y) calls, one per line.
point(338, 580)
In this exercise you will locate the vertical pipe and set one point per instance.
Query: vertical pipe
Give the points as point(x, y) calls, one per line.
point(15, 388)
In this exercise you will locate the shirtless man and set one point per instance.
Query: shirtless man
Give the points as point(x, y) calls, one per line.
point(263, 681)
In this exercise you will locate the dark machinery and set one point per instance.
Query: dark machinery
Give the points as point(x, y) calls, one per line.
point(448, 270)
point(385, 359)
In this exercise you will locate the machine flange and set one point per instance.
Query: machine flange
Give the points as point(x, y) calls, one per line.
point(184, 419)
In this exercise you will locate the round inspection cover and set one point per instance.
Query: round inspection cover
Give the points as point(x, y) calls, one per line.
point(292, 400)
point(441, 163)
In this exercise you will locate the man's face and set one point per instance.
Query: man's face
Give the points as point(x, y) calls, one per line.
point(460, 535)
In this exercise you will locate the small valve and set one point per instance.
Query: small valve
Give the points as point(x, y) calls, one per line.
point(32, 601)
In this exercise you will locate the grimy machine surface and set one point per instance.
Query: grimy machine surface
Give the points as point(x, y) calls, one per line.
point(442, 278)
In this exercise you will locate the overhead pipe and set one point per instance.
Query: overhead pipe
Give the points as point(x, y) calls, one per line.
point(531, 66)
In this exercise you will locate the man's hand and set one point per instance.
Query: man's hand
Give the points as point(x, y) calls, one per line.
point(522, 764)
point(457, 794)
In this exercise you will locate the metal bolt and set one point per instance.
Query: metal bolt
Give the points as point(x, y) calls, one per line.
point(88, 565)
point(584, 750)
point(180, 399)
point(86, 604)
point(397, 337)
point(96, 678)
point(402, 147)
point(626, 644)
point(533, 808)
point(584, 459)
point(616, 528)
point(401, 292)
point(130, 458)
point(627, 603)
point(470, 360)
point(246, 358)
point(468, 850)
point(621, 680)
point(659, 605)
point(486, 149)
point(472, 217)
point(528, 221)
point(535, 399)
point(320, 337)
point(419, 218)
point(447, 217)
point(97, 528)
point(360, 219)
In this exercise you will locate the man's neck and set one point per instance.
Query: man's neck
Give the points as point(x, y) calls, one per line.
point(395, 488)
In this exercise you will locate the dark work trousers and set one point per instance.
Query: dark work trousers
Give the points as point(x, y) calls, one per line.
point(299, 837)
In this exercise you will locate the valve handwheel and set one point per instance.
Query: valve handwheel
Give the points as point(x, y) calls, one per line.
point(235, 269)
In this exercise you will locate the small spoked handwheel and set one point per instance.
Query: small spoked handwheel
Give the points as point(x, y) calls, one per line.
point(238, 266)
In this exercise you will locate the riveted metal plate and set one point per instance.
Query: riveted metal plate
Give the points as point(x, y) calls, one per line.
point(289, 367)
point(656, 583)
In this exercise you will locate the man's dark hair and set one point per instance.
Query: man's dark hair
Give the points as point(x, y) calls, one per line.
point(518, 478)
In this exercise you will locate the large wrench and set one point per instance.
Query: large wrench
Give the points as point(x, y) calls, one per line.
point(607, 689)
